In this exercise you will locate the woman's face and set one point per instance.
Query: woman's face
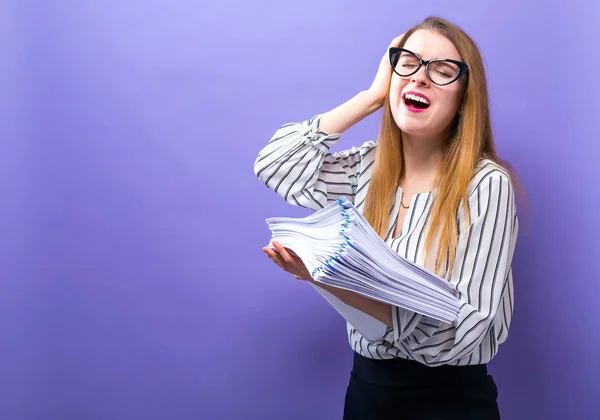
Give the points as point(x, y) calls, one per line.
point(438, 104)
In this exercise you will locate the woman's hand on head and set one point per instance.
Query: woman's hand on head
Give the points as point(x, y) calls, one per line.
point(381, 84)
point(287, 261)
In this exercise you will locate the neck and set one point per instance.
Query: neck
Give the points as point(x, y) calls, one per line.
point(422, 159)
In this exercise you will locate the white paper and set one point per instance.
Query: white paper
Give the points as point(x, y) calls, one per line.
point(340, 249)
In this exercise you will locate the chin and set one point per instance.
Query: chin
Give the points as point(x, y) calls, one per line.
point(412, 127)
point(416, 131)
point(419, 127)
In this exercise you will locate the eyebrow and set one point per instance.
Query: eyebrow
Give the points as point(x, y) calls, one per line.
point(420, 55)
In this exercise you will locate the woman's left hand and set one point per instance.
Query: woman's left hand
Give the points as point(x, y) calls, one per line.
point(288, 261)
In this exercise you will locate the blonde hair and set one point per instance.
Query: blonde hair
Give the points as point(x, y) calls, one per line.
point(470, 140)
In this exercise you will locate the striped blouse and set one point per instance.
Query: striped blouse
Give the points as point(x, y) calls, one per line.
point(297, 165)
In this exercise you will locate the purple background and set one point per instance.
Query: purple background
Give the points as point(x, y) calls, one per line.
point(132, 279)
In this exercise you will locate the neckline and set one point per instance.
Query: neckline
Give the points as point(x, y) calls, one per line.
point(393, 216)
point(399, 189)
point(481, 162)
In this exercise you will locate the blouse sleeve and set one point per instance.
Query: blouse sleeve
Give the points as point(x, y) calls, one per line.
point(297, 165)
point(481, 274)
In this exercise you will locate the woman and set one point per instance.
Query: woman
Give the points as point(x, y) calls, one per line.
point(434, 189)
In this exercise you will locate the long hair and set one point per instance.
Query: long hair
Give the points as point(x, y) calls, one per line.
point(469, 141)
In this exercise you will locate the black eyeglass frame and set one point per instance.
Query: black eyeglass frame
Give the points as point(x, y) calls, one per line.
point(462, 67)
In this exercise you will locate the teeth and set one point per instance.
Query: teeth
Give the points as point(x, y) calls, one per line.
point(416, 98)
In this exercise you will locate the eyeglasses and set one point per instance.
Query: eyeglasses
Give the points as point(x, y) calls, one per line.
point(441, 71)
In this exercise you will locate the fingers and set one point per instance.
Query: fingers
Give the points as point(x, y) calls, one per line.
point(284, 253)
point(292, 268)
point(396, 41)
point(287, 260)
point(271, 253)
point(277, 259)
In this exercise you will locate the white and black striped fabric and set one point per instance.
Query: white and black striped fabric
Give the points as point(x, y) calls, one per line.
point(297, 165)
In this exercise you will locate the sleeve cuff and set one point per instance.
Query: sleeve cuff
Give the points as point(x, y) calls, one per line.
point(404, 323)
point(396, 324)
point(318, 138)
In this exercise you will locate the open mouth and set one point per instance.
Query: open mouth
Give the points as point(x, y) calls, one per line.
point(416, 101)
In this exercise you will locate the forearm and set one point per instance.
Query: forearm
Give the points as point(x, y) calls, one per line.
point(343, 117)
point(378, 310)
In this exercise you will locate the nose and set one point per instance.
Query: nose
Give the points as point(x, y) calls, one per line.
point(420, 77)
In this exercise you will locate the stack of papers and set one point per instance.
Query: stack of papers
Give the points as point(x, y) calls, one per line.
point(341, 249)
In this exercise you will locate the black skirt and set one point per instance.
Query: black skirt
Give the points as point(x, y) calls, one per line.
point(404, 389)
